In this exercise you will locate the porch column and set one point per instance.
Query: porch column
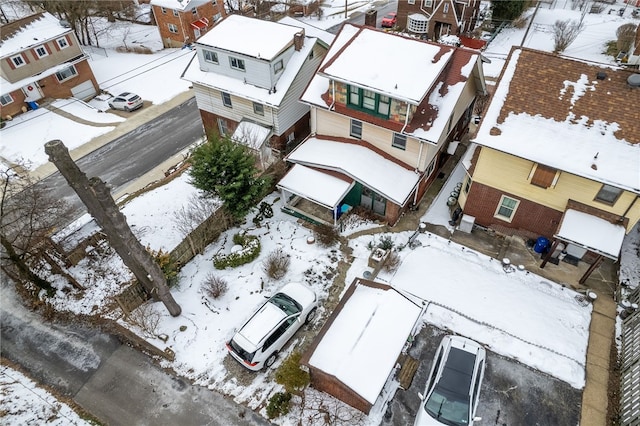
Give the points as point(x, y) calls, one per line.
point(549, 253)
point(592, 268)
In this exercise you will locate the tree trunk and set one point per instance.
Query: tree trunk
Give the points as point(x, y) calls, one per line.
point(23, 268)
point(96, 197)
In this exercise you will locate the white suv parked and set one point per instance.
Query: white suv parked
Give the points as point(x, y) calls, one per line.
point(258, 341)
point(453, 387)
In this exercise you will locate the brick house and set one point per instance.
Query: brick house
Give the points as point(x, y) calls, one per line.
point(558, 153)
point(239, 77)
point(183, 21)
point(379, 134)
point(432, 19)
point(41, 58)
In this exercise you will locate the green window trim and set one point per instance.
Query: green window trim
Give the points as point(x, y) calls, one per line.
point(368, 101)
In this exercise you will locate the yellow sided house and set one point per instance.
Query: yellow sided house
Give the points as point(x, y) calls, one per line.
point(557, 155)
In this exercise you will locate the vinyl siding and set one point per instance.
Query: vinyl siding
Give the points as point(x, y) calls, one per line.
point(330, 123)
point(511, 175)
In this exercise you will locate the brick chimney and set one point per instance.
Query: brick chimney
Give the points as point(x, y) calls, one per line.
point(298, 40)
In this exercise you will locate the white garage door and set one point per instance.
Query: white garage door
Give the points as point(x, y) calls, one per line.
point(84, 91)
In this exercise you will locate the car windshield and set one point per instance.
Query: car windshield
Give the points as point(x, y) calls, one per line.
point(447, 408)
point(286, 303)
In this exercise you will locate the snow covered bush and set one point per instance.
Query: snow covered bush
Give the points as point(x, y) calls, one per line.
point(250, 250)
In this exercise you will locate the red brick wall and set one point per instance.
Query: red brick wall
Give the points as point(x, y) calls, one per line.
point(329, 384)
point(482, 203)
point(183, 22)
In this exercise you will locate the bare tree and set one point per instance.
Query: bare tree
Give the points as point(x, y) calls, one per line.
point(96, 197)
point(28, 216)
point(564, 33)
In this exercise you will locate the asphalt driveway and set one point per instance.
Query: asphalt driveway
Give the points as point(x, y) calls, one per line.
point(512, 394)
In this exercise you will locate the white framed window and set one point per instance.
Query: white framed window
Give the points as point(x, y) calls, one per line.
point(194, 11)
point(258, 108)
point(41, 51)
point(418, 24)
point(467, 184)
point(214, 2)
point(445, 8)
point(291, 137)
point(173, 28)
point(356, 129)
point(223, 128)
point(430, 168)
point(226, 100)
point(217, 17)
point(411, 1)
point(506, 208)
point(427, 3)
point(163, 10)
point(608, 194)
point(210, 56)
point(399, 141)
point(236, 64)
point(17, 61)
point(6, 99)
point(175, 13)
point(278, 66)
point(66, 73)
point(62, 43)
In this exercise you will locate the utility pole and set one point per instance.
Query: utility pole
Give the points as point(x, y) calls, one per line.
point(345, 8)
point(97, 198)
point(530, 23)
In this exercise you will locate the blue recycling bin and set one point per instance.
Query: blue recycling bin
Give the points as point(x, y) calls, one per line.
point(542, 245)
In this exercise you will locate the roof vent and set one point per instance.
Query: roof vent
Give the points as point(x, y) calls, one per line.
point(601, 75)
point(634, 80)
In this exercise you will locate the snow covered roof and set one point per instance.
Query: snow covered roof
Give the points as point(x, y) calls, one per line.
point(316, 186)
point(405, 76)
point(591, 233)
point(360, 163)
point(431, 76)
point(178, 4)
point(325, 36)
point(361, 346)
point(571, 115)
point(251, 134)
point(234, 28)
point(29, 32)
point(250, 36)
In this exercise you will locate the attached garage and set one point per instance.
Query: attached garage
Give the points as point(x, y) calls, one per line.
point(84, 91)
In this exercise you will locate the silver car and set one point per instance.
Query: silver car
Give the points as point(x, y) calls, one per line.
point(126, 102)
point(259, 340)
point(453, 387)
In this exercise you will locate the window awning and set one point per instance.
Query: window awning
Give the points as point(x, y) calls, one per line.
point(200, 24)
point(321, 188)
point(591, 233)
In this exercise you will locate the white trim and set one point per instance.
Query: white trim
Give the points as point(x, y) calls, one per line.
point(513, 213)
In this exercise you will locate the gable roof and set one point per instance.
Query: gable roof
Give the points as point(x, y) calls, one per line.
point(571, 115)
point(427, 75)
point(28, 32)
point(378, 60)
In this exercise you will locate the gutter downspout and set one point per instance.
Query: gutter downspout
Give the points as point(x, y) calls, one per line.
point(333, 95)
point(629, 208)
point(406, 119)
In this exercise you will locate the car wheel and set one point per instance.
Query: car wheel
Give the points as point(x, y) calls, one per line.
point(272, 358)
point(310, 316)
point(127, 109)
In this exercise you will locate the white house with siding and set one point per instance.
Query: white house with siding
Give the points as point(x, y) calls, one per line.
point(249, 70)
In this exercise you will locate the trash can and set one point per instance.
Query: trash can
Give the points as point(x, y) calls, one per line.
point(541, 246)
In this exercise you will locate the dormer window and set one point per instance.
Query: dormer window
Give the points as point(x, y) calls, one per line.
point(369, 101)
point(62, 43)
point(427, 3)
point(41, 51)
point(278, 66)
point(445, 8)
point(210, 56)
point(236, 64)
point(175, 13)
